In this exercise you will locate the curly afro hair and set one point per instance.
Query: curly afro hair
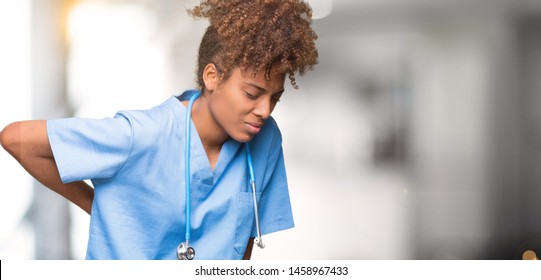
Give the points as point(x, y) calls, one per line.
point(254, 35)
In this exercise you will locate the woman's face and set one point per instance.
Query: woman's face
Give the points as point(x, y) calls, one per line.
point(241, 104)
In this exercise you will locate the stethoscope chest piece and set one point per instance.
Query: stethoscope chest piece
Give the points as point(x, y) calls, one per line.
point(185, 252)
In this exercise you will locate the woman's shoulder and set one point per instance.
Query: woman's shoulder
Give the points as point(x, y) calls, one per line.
point(270, 130)
point(159, 114)
point(155, 121)
point(269, 139)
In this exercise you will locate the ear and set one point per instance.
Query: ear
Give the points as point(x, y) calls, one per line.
point(210, 77)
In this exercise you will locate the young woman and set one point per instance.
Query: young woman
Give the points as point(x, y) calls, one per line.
point(175, 181)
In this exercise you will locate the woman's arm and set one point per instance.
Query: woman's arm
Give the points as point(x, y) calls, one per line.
point(28, 143)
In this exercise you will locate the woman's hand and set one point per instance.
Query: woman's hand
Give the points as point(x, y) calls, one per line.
point(249, 248)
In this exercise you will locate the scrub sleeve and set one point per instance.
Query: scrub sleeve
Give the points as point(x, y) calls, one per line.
point(88, 148)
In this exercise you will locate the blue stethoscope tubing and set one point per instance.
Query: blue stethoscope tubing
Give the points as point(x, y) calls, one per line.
point(184, 250)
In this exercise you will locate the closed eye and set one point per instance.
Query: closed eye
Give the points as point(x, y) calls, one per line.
point(251, 96)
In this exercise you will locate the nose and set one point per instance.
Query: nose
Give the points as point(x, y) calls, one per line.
point(264, 108)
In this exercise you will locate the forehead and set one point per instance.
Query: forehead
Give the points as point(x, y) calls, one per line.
point(273, 81)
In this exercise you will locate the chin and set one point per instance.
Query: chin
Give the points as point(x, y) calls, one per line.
point(243, 138)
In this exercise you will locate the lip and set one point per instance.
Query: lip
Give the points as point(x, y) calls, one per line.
point(254, 128)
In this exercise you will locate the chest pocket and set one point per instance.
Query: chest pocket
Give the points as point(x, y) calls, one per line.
point(245, 223)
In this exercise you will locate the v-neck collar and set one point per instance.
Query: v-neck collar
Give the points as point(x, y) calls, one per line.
point(229, 150)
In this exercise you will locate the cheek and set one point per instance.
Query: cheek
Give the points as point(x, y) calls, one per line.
point(231, 107)
point(237, 105)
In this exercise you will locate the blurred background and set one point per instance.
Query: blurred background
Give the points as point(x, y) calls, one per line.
point(418, 135)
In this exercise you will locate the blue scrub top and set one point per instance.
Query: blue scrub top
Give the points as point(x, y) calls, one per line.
point(135, 161)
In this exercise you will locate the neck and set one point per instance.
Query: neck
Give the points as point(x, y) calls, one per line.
point(211, 134)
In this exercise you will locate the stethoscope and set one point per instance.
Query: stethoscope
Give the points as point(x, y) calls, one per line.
point(184, 250)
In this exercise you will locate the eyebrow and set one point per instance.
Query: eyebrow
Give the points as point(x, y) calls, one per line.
point(262, 89)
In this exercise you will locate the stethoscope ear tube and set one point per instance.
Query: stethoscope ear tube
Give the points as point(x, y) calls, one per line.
point(258, 240)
